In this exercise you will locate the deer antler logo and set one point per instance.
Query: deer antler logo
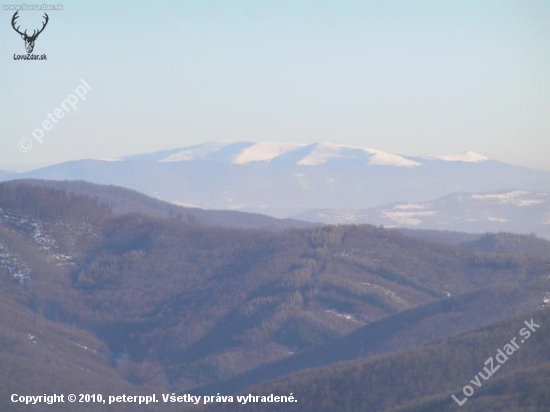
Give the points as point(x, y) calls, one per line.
point(29, 40)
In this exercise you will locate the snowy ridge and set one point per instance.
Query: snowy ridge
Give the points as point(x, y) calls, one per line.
point(300, 154)
point(518, 211)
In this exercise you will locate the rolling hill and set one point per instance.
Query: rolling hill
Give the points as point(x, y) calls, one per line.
point(425, 378)
point(405, 330)
point(122, 201)
point(174, 303)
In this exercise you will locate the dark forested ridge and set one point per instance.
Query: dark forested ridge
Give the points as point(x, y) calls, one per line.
point(38, 356)
point(404, 330)
point(510, 243)
point(424, 379)
point(174, 304)
point(523, 389)
point(441, 236)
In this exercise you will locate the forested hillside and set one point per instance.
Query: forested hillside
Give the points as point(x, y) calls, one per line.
point(425, 378)
point(175, 303)
point(404, 330)
point(121, 201)
point(38, 356)
point(525, 389)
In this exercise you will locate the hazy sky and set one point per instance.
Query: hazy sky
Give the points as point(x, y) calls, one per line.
point(409, 77)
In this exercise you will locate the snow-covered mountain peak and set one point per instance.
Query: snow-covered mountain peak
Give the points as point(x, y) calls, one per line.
point(298, 154)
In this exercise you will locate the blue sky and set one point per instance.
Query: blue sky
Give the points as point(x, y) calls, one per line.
point(409, 77)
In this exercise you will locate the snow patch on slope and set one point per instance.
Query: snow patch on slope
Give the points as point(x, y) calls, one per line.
point(410, 206)
point(196, 152)
point(496, 219)
point(468, 157)
point(264, 151)
point(387, 159)
point(407, 218)
point(324, 152)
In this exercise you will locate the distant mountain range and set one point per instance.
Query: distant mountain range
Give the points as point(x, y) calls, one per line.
point(283, 179)
point(513, 211)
